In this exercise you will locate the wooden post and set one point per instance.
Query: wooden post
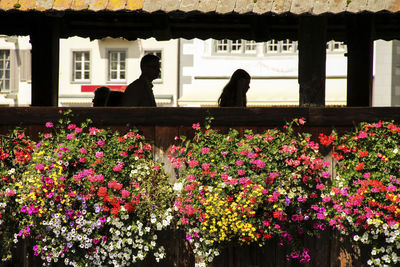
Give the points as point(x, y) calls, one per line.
point(359, 60)
point(45, 38)
point(312, 61)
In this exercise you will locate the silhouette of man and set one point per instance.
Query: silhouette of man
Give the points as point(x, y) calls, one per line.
point(140, 92)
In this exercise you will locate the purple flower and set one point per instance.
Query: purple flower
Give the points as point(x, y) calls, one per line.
point(287, 201)
point(188, 237)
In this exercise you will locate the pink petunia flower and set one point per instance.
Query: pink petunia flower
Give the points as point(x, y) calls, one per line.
point(196, 126)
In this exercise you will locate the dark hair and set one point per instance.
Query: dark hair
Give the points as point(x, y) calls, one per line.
point(114, 99)
point(101, 96)
point(228, 95)
point(146, 59)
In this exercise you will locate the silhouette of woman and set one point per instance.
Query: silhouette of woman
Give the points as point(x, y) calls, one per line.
point(234, 92)
point(101, 96)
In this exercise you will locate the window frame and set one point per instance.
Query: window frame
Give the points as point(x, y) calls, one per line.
point(330, 47)
point(3, 78)
point(118, 80)
point(230, 45)
point(81, 81)
point(292, 47)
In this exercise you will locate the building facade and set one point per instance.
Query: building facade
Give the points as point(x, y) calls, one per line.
point(193, 72)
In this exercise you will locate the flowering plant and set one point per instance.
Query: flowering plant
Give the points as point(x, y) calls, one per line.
point(15, 154)
point(93, 195)
point(249, 189)
point(366, 192)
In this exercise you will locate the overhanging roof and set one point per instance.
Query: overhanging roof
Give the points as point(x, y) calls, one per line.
point(314, 7)
point(258, 20)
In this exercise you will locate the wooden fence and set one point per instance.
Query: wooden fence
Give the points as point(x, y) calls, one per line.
point(161, 125)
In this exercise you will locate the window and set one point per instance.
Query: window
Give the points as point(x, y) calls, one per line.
point(5, 70)
point(250, 47)
point(81, 66)
point(157, 53)
point(117, 66)
point(235, 46)
point(222, 46)
point(333, 46)
point(272, 46)
point(286, 46)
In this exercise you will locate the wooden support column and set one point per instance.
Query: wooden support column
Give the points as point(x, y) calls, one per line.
point(359, 60)
point(312, 61)
point(45, 38)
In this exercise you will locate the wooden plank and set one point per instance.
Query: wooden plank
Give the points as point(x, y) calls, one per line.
point(42, 5)
point(8, 4)
point(26, 4)
point(393, 5)
point(152, 5)
point(207, 5)
point(359, 61)
point(321, 7)
point(96, 5)
point(263, 6)
point(356, 6)
point(80, 4)
point(164, 139)
point(170, 5)
point(45, 41)
point(62, 4)
point(244, 6)
point(185, 117)
point(116, 4)
point(312, 61)
point(226, 6)
point(350, 116)
point(301, 6)
point(377, 5)
point(188, 5)
point(134, 4)
point(281, 6)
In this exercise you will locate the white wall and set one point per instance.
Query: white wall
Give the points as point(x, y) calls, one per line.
point(211, 71)
point(70, 91)
point(22, 96)
point(382, 86)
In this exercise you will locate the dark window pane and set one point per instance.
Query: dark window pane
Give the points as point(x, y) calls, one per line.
point(113, 75)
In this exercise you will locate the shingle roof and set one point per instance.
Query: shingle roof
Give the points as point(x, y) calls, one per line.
point(315, 7)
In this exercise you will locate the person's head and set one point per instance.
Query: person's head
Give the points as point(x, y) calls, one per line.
point(237, 86)
point(114, 99)
point(101, 96)
point(150, 66)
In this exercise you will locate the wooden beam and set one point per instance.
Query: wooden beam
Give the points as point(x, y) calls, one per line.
point(312, 61)
point(359, 60)
point(45, 61)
